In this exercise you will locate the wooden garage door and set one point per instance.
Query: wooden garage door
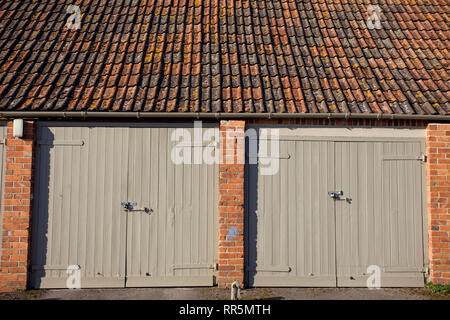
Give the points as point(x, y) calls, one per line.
point(297, 235)
point(83, 174)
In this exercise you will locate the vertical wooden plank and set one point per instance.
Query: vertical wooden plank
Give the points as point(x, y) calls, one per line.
point(107, 200)
point(91, 212)
point(56, 214)
point(371, 196)
point(154, 199)
point(99, 203)
point(322, 218)
point(123, 170)
point(387, 249)
point(73, 209)
point(141, 190)
point(401, 204)
point(331, 209)
point(269, 222)
point(135, 195)
point(338, 215)
point(378, 216)
point(82, 215)
point(284, 183)
point(307, 228)
point(354, 215)
point(179, 203)
point(342, 219)
point(65, 196)
point(161, 258)
point(115, 196)
point(203, 215)
point(276, 215)
point(134, 230)
point(211, 213)
point(187, 214)
point(292, 194)
point(300, 205)
point(170, 211)
point(130, 234)
point(195, 213)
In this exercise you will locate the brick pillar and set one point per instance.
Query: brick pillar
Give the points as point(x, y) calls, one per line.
point(231, 203)
point(438, 187)
point(16, 207)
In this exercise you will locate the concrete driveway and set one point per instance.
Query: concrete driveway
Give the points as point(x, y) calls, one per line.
point(223, 294)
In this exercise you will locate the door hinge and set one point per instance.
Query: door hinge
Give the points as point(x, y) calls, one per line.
point(423, 158)
point(426, 271)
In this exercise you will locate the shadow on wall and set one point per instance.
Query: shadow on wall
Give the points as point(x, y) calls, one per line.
point(251, 217)
point(40, 218)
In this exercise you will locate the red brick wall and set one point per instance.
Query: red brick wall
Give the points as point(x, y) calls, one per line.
point(231, 203)
point(16, 203)
point(438, 186)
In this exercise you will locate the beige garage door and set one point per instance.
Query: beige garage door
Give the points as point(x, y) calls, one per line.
point(298, 235)
point(83, 174)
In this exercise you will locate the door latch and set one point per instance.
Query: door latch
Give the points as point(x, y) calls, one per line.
point(128, 205)
point(335, 194)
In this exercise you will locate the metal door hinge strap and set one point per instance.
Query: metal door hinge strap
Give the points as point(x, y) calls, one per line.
point(271, 269)
point(191, 266)
point(401, 269)
point(422, 157)
point(61, 142)
point(36, 267)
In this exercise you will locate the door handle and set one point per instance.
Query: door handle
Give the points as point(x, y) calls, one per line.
point(129, 206)
point(335, 194)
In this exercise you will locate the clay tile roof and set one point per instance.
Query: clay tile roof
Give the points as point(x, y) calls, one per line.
point(311, 56)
